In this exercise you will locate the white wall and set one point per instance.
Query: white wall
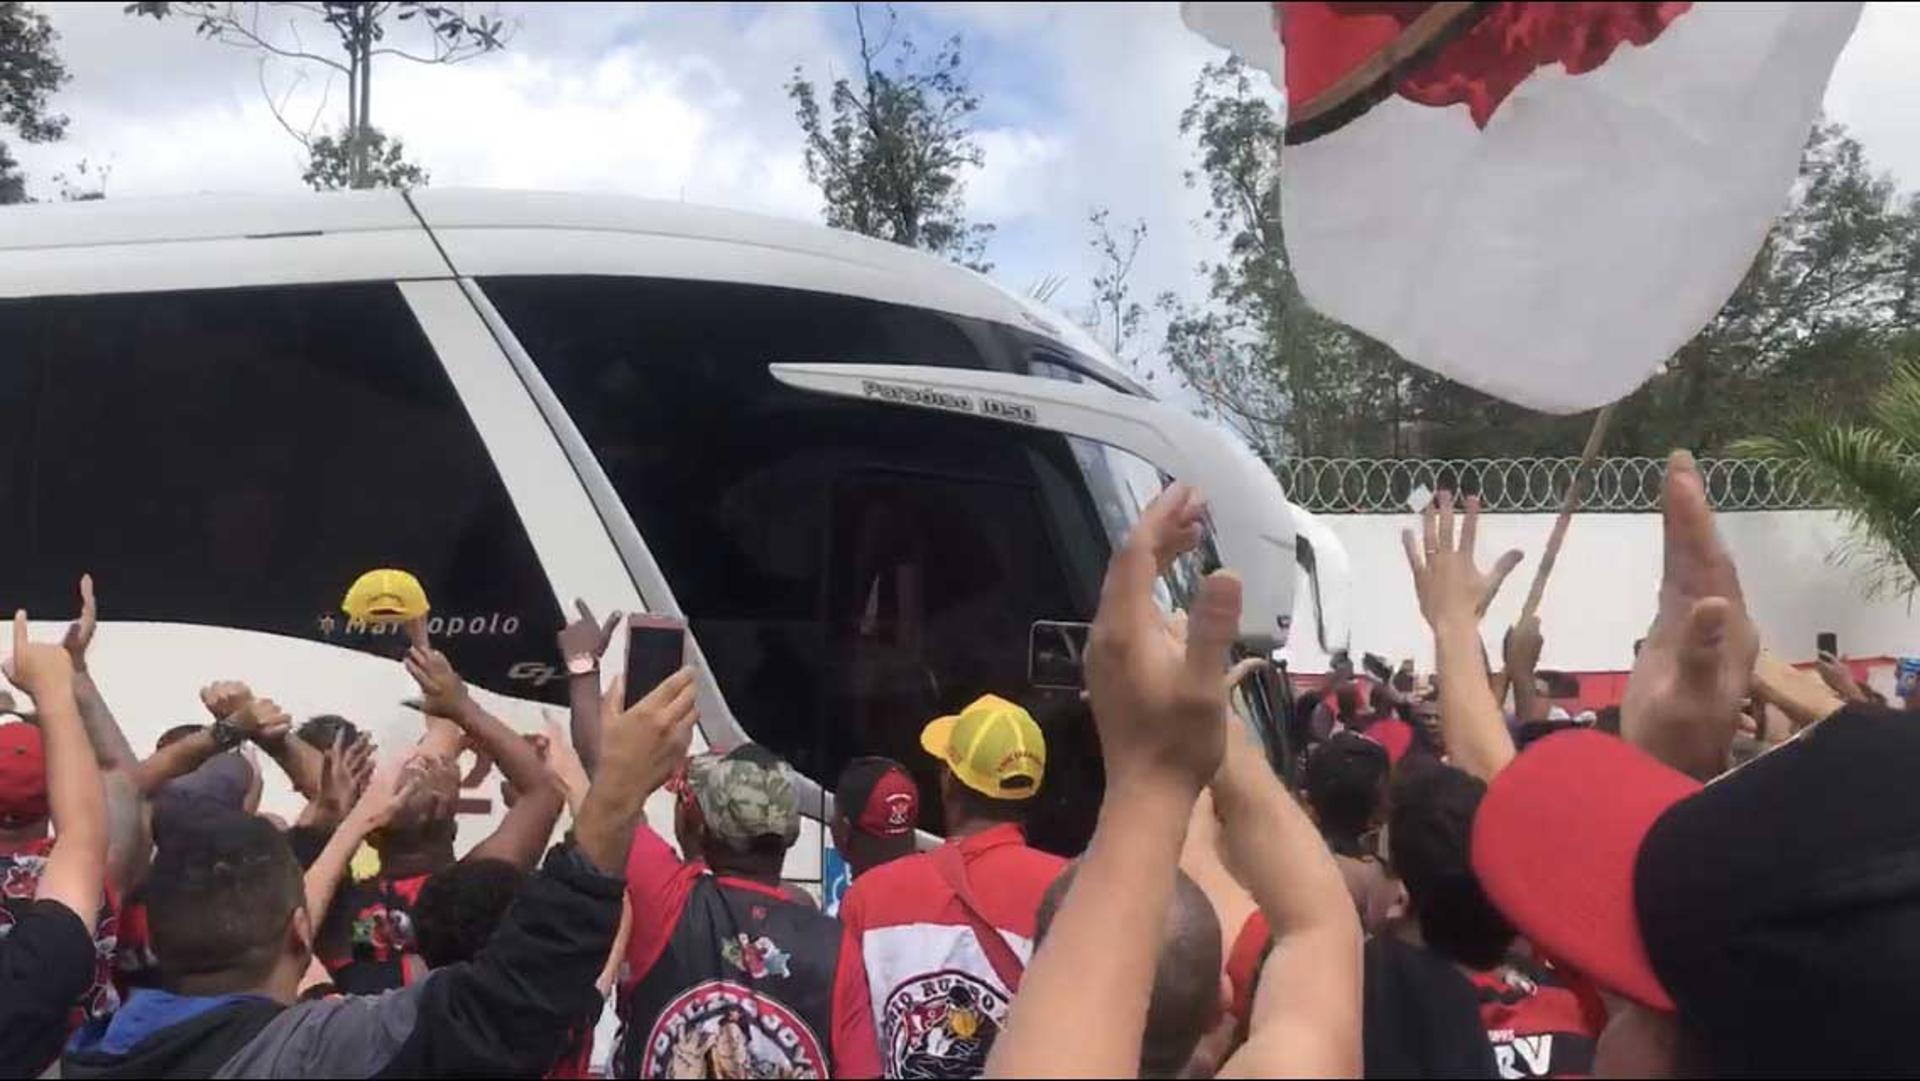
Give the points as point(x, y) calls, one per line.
point(1601, 595)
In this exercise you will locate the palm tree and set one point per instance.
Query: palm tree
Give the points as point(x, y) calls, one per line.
point(1869, 470)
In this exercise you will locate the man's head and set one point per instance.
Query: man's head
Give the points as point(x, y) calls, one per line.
point(876, 806)
point(460, 906)
point(1773, 914)
point(995, 757)
point(1190, 992)
point(1346, 786)
point(425, 817)
point(175, 734)
point(222, 783)
point(744, 811)
point(23, 782)
point(1427, 835)
point(227, 910)
point(320, 732)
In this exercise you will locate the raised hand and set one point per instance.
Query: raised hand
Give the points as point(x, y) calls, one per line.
point(80, 632)
point(587, 636)
point(349, 766)
point(1159, 707)
point(36, 667)
point(1523, 646)
point(223, 698)
point(641, 747)
point(1834, 673)
point(1449, 583)
point(442, 692)
point(564, 761)
point(1683, 699)
point(261, 720)
point(381, 798)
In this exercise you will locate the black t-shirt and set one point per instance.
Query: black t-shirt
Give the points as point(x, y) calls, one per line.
point(46, 964)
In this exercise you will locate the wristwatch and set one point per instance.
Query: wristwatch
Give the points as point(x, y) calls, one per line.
point(226, 734)
point(583, 664)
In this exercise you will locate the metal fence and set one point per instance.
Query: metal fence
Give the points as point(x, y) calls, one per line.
point(1518, 485)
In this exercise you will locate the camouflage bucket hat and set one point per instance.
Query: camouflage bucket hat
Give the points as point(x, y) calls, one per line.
point(745, 794)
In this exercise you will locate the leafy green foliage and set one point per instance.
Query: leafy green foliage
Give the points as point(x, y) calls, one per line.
point(1810, 325)
point(331, 161)
point(1868, 468)
point(357, 155)
point(889, 149)
point(30, 71)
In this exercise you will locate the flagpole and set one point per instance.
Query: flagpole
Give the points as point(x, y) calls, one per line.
point(1576, 492)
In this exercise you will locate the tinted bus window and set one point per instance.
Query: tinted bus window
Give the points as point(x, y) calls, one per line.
point(851, 570)
point(235, 458)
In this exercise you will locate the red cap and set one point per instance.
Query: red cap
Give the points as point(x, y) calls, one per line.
point(1394, 734)
point(892, 807)
point(1554, 845)
point(23, 774)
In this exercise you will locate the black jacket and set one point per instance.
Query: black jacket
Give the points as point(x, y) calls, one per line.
point(508, 1012)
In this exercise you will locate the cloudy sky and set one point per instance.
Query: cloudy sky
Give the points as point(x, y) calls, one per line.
point(1080, 107)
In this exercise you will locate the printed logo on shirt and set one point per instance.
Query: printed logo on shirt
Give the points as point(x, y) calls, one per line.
point(721, 1029)
point(757, 957)
point(941, 1025)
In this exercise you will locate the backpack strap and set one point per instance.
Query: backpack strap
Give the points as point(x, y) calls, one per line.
point(1006, 963)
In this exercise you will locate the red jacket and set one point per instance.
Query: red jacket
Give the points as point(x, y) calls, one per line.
point(915, 994)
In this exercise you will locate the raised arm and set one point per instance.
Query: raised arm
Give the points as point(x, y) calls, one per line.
point(302, 763)
point(1522, 646)
point(1454, 594)
point(76, 870)
point(258, 718)
point(582, 643)
point(1306, 1014)
point(1082, 1004)
point(374, 808)
point(129, 842)
point(523, 834)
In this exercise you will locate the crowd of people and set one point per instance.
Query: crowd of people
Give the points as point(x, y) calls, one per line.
point(1718, 877)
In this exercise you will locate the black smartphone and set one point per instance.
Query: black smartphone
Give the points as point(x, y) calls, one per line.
point(1826, 644)
point(656, 649)
point(1057, 654)
point(1376, 666)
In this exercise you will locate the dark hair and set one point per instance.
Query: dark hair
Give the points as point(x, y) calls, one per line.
point(460, 906)
point(175, 734)
point(1428, 831)
point(321, 732)
point(1607, 720)
point(220, 897)
point(1186, 977)
point(1345, 784)
point(974, 804)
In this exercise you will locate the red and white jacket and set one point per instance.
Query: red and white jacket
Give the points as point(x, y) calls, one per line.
point(915, 994)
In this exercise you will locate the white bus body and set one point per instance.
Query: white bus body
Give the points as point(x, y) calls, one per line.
point(859, 471)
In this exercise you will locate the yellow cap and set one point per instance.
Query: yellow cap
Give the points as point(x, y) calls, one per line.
point(385, 596)
point(993, 747)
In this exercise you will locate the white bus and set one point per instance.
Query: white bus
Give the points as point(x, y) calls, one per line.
point(858, 471)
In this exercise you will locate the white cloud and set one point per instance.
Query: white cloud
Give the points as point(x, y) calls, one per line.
point(1081, 110)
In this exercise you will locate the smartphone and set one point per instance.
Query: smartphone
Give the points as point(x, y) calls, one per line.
point(1057, 654)
point(1376, 666)
point(1826, 644)
point(656, 649)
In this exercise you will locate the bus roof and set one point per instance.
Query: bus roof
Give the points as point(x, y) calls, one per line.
point(486, 232)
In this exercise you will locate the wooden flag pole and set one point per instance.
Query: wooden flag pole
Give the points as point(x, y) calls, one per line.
point(1576, 491)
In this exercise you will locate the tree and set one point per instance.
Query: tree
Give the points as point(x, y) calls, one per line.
point(357, 154)
point(890, 158)
point(1283, 376)
point(1836, 281)
point(1115, 317)
point(1868, 468)
point(30, 71)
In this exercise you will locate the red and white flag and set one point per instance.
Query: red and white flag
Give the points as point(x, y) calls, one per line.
point(1540, 200)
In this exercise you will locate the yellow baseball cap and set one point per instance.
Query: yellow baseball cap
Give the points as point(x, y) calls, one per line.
point(993, 746)
point(385, 596)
